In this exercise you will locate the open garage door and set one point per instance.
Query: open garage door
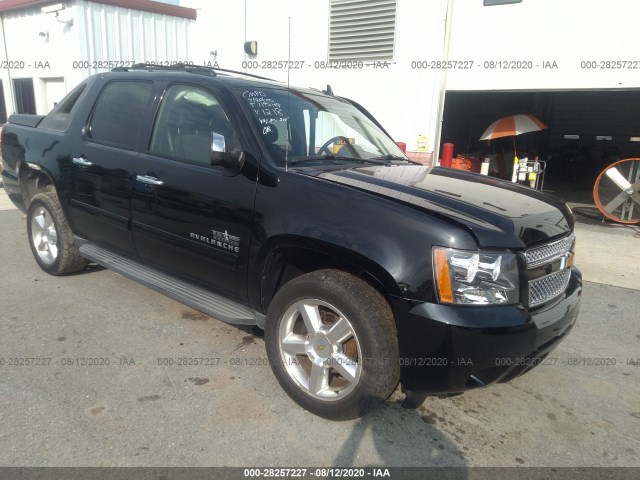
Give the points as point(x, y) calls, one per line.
point(588, 130)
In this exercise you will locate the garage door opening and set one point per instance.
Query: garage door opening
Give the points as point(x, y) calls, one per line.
point(587, 131)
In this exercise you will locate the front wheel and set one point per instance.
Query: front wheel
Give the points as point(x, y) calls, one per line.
point(332, 343)
point(50, 236)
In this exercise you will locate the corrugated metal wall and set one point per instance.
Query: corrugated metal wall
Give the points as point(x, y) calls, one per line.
point(125, 35)
point(68, 48)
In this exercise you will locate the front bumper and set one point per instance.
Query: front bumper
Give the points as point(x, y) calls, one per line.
point(449, 349)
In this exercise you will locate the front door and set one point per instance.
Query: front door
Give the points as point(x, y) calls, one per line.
point(189, 218)
point(102, 164)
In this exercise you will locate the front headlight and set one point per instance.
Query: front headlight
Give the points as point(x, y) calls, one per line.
point(478, 278)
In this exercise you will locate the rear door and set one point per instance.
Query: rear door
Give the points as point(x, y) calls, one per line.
point(189, 218)
point(102, 164)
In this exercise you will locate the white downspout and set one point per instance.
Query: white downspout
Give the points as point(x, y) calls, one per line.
point(443, 79)
point(10, 106)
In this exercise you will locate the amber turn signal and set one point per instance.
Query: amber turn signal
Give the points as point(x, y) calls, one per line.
point(443, 276)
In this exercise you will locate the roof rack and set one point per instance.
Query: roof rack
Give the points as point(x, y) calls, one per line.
point(201, 69)
point(176, 66)
point(244, 74)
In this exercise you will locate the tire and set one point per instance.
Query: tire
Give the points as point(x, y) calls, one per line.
point(50, 236)
point(340, 358)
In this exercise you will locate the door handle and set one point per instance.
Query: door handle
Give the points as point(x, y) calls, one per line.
point(149, 180)
point(82, 161)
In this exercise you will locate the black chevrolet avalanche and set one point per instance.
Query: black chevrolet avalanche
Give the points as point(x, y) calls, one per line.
point(293, 210)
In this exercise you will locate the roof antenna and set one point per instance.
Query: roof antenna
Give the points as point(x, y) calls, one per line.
point(328, 91)
point(286, 150)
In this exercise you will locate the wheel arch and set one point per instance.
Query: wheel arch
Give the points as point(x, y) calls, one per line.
point(35, 179)
point(288, 256)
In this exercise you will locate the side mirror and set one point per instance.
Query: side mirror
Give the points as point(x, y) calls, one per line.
point(230, 160)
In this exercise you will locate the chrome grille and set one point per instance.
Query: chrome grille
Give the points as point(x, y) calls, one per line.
point(545, 288)
point(548, 253)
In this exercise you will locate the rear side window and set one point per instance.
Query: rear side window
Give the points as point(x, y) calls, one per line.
point(116, 118)
point(60, 116)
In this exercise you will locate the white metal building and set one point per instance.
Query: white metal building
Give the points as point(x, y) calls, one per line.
point(418, 56)
point(435, 48)
point(47, 47)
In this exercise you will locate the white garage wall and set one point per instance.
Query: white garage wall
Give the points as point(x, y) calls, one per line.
point(565, 31)
point(408, 101)
point(31, 55)
point(404, 100)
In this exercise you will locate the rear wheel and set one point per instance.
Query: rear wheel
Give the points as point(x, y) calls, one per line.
point(332, 344)
point(50, 236)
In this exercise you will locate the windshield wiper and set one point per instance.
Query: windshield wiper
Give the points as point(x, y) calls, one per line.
point(374, 161)
point(312, 158)
point(391, 157)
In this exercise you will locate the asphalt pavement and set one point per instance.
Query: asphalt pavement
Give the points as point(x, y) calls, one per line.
point(106, 386)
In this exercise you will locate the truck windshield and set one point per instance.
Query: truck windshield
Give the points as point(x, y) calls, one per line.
point(303, 128)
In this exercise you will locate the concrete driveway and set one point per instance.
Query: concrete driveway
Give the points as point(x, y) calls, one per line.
point(105, 392)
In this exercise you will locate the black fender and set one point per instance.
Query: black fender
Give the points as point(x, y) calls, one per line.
point(383, 240)
point(305, 254)
point(35, 160)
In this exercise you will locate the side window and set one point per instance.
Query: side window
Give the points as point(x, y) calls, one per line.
point(187, 117)
point(60, 116)
point(116, 116)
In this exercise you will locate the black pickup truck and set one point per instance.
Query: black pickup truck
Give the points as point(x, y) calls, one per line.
point(293, 210)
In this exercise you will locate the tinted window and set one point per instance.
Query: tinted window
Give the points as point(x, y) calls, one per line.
point(117, 114)
point(60, 116)
point(187, 117)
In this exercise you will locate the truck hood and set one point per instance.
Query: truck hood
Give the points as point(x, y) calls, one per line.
point(498, 213)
